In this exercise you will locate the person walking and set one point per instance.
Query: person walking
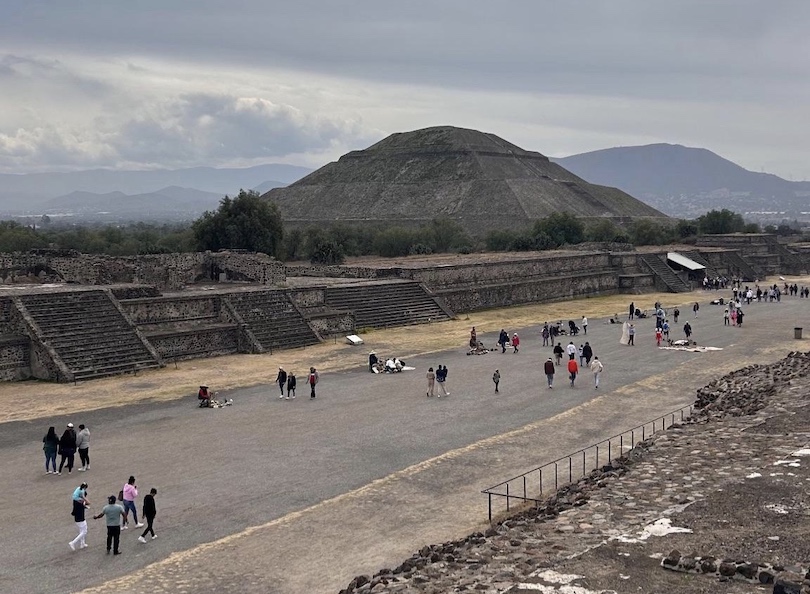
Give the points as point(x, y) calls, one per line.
point(548, 368)
point(558, 353)
point(312, 380)
point(545, 333)
point(587, 352)
point(675, 313)
point(149, 512)
point(696, 308)
point(596, 369)
point(581, 354)
point(431, 381)
point(503, 340)
point(659, 334)
point(129, 494)
point(631, 335)
point(281, 380)
point(632, 310)
point(739, 317)
point(67, 448)
point(687, 329)
point(50, 445)
point(113, 513)
point(441, 377)
point(80, 504)
point(571, 349)
point(496, 378)
point(291, 385)
point(83, 446)
point(665, 329)
point(584, 324)
point(726, 317)
point(515, 342)
point(573, 369)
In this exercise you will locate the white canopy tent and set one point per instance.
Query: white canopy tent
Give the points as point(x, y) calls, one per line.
point(684, 262)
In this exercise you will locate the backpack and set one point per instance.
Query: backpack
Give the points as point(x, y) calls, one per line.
point(312, 379)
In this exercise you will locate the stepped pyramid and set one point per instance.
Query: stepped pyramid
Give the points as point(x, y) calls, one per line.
point(475, 178)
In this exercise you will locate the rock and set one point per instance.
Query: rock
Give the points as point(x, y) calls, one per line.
point(708, 565)
point(688, 563)
point(788, 585)
point(672, 559)
point(747, 571)
point(727, 569)
point(765, 577)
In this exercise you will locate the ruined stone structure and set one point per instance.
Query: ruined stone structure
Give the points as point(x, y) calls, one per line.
point(762, 254)
point(77, 324)
point(477, 179)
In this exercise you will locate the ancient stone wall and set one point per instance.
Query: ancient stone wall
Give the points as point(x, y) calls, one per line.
point(332, 323)
point(308, 297)
point(173, 308)
point(15, 358)
point(196, 343)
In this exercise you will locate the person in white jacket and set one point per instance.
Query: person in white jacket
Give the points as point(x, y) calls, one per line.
point(596, 369)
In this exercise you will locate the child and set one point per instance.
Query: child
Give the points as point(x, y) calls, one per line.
point(515, 342)
point(658, 336)
point(496, 377)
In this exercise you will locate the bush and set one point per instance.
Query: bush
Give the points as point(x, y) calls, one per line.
point(327, 252)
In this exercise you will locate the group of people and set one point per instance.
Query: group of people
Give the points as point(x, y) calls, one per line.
point(437, 377)
point(289, 381)
point(390, 365)
point(116, 515)
point(66, 446)
point(587, 360)
point(504, 341)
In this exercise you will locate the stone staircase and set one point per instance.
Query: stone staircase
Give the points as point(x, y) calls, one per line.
point(387, 304)
point(695, 255)
point(742, 268)
point(664, 273)
point(273, 319)
point(790, 262)
point(88, 333)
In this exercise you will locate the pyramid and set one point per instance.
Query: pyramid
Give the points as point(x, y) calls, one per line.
point(477, 179)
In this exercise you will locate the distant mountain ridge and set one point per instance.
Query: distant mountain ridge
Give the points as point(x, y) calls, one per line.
point(31, 193)
point(684, 181)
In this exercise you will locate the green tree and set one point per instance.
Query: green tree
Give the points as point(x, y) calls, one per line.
point(499, 240)
point(327, 251)
point(245, 222)
point(561, 227)
point(602, 230)
point(649, 232)
point(720, 221)
point(684, 229)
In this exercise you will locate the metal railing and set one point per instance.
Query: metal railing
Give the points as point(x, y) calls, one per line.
point(531, 486)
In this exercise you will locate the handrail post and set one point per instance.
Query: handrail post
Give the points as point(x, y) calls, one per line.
point(489, 496)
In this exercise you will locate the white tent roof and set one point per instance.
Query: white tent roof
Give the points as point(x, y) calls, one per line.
point(684, 261)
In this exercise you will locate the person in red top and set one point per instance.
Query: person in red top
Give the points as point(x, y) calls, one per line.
point(573, 369)
point(515, 342)
point(658, 336)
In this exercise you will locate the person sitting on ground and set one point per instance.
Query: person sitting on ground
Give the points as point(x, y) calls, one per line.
point(398, 365)
point(204, 396)
point(372, 361)
point(390, 366)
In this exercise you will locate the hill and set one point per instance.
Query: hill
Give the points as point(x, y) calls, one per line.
point(684, 181)
point(477, 179)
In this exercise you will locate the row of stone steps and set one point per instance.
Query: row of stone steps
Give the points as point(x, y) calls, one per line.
point(273, 319)
point(663, 272)
point(383, 305)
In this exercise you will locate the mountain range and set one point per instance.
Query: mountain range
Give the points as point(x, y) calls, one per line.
point(687, 182)
point(135, 195)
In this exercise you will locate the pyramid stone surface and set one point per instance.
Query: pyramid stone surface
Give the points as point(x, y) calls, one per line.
point(475, 178)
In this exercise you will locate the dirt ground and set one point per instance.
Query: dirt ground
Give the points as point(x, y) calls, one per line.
point(35, 399)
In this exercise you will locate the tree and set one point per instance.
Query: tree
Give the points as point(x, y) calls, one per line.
point(720, 221)
point(561, 228)
point(686, 229)
point(246, 222)
point(602, 230)
point(327, 252)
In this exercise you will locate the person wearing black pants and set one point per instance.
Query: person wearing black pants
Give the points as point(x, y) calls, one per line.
point(67, 448)
point(112, 512)
point(149, 512)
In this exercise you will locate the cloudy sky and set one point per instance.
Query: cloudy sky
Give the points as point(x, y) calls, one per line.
point(175, 83)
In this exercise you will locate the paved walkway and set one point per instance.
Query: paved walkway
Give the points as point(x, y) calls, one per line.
point(300, 496)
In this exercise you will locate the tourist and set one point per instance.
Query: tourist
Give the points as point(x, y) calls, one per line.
point(204, 396)
point(726, 317)
point(584, 324)
point(503, 340)
point(558, 353)
point(128, 495)
point(515, 342)
point(290, 385)
point(50, 445)
point(596, 369)
point(571, 349)
point(733, 316)
point(441, 377)
point(473, 338)
point(632, 310)
point(431, 381)
point(631, 335)
point(372, 361)
point(573, 369)
point(112, 512)
point(665, 329)
point(587, 352)
point(687, 329)
point(581, 354)
point(312, 380)
point(281, 380)
point(67, 448)
point(496, 379)
point(80, 503)
point(675, 314)
point(696, 308)
point(549, 369)
point(149, 512)
point(545, 333)
point(739, 317)
point(659, 334)
point(83, 446)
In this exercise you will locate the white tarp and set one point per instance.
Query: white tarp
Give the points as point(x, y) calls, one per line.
point(684, 261)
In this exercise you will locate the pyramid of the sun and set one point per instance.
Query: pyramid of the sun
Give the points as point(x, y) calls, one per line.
point(475, 178)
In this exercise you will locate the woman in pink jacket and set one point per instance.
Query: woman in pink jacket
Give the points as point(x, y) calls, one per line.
point(130, 493)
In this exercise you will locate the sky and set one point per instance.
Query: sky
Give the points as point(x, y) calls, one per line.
point(174, 83)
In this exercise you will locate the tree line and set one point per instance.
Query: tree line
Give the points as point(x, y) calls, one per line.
point(248, 222)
